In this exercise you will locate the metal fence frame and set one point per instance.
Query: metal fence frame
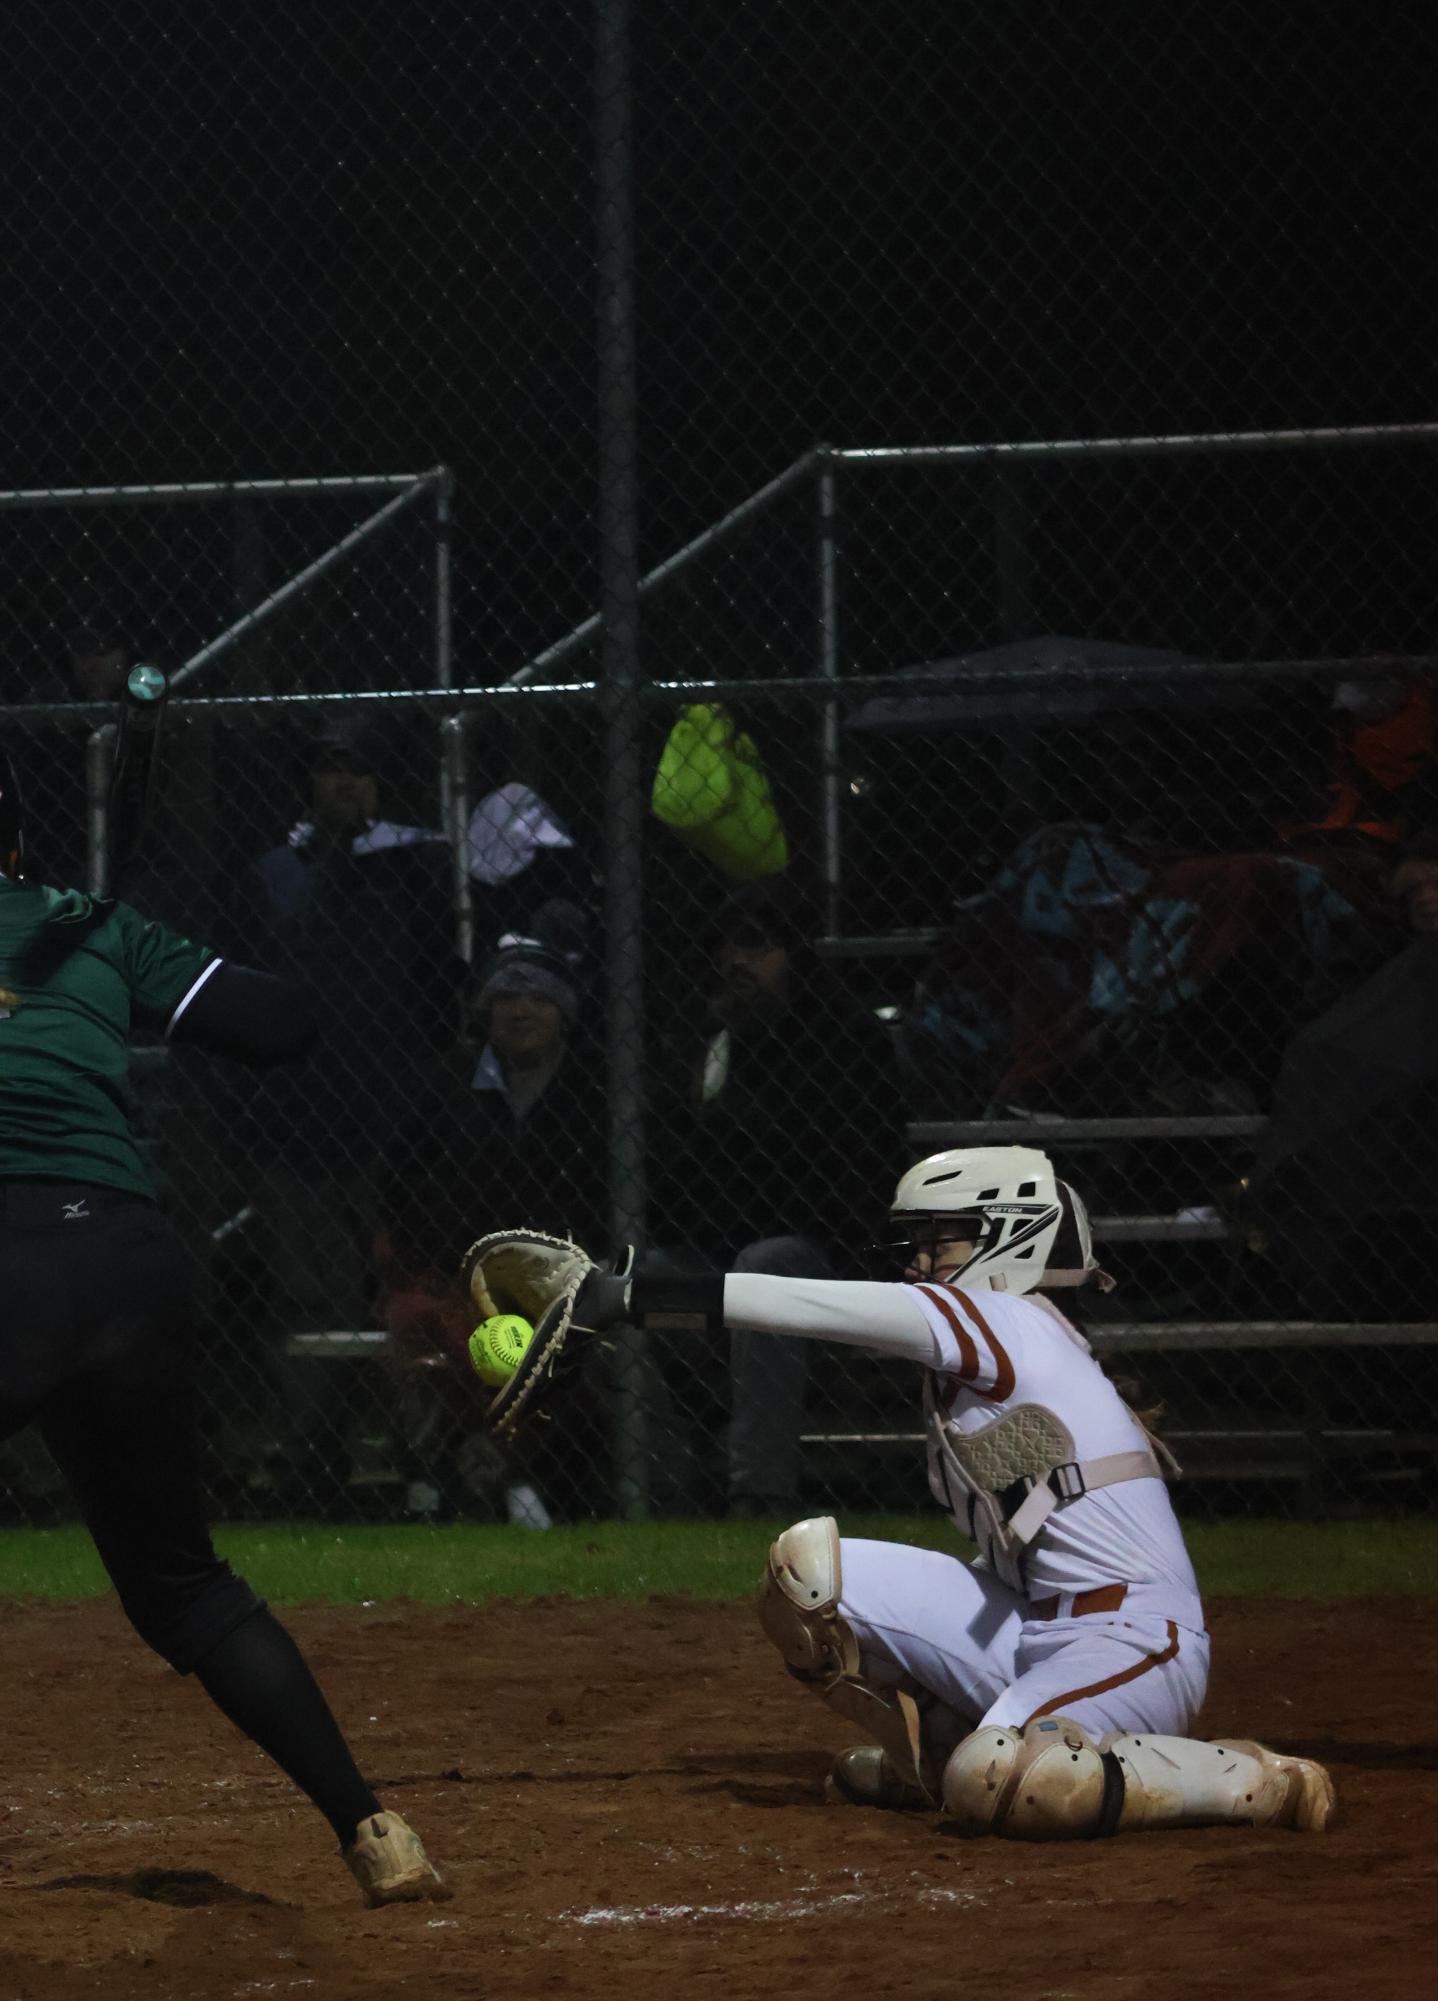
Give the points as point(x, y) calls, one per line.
point(622, 695)
point(405, 491)
point(452, 709)
point(405, 488)
point(822, 467)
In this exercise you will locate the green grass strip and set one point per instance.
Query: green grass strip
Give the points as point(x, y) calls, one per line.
point(292, 1563)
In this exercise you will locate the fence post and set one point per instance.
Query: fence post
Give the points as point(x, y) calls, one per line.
point(99, 762)
point(620, 705)
point(454, 730)
point(455, 809)
point(444, 579)
point(831, 804)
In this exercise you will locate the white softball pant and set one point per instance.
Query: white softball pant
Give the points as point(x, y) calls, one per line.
point(966, 1637)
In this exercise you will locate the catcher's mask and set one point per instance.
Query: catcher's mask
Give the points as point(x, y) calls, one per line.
point(12, 821)
point(1026, 1228)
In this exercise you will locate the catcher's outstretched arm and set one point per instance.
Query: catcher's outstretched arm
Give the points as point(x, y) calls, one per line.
point(861, 1313)
point(558, 1288)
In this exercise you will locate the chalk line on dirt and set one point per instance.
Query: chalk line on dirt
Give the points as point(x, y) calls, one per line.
point(757, 1910)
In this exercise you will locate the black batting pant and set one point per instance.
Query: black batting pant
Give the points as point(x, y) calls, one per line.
point(96, 1348)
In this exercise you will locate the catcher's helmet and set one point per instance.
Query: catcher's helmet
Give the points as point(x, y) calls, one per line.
point(12, 820)
point(1029, 1229)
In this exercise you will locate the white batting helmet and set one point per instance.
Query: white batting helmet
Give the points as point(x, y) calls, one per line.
point(1029, 1228)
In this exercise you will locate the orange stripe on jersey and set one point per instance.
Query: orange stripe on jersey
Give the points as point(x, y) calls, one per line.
point(1003, 1368)
point(1058, 1707)
point(968, 1353)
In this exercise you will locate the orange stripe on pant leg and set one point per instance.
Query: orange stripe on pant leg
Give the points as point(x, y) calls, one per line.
point(1056, 1707)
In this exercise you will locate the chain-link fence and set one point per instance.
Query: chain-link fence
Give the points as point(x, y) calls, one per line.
point(1064, 777)
point(1222, 1043)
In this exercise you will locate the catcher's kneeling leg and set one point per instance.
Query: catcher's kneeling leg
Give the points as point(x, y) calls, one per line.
point(799, 1612)
point(1050, 1781)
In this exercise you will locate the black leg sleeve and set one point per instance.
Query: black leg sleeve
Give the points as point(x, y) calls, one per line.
point(262, 1682)
point(122, 1424)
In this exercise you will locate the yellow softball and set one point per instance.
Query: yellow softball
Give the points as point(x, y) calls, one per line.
point(498, 1346)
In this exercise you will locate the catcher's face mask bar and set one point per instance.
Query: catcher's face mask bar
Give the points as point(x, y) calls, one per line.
point(931, 1244)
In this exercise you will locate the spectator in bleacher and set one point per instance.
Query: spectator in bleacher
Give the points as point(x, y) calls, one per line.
point(1384, 781)
point(507, 1128)
point(1415, 884)
point(1342, 1210)
point(785, 1104)
point(521, 856)
point(1096, 977)
point(520, 851)
point(97, 657)
point(1102, 973)
point(357, 908)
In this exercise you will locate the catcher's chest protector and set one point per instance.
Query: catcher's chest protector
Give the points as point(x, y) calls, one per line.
point(1002, 1483)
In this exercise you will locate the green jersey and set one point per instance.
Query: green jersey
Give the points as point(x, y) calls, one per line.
point(76, 975)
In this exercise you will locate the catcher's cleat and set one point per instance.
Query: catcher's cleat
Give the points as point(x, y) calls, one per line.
point(1296, 1792)
point(387, 1860)
point(866, 1775)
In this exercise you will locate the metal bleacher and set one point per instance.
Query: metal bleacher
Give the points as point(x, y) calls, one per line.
point(1310, 1448)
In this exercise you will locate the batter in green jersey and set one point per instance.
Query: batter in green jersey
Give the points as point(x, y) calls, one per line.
point(98, 1312)
point(78, 975)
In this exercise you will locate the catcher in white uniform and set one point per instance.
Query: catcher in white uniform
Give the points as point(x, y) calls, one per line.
point(1047, 1690)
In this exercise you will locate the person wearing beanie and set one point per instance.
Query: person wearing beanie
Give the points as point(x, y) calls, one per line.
point(508, 1131)
point(528, 1007)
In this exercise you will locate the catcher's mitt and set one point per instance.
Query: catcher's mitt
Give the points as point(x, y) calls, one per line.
point(540, 1277)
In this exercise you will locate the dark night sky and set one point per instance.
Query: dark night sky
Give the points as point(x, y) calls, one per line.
point(243, 240)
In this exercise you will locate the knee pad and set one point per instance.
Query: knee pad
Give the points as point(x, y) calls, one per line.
point(1046, 1782)
point(799, 1603)
point(799, 1611)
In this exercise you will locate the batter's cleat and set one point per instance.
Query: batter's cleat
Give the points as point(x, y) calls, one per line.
point(387, 1860)
point(1296, 1792)
point(866, 1775)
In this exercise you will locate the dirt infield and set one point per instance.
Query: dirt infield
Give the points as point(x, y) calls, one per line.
point(629, 1797)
